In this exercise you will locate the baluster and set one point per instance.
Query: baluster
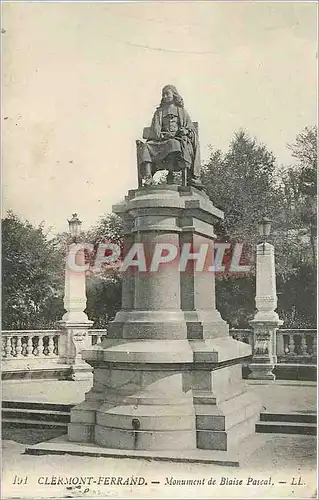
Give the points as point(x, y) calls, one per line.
point(19, 347)
point(14, 346)
point(35, 342)
point(24, 346)
point(314, 345)
point(56, 345)
point(8, 347)
point(45, 345)
point(280, 344)
point(251, 340)
point(29, 349)
point(303, 345)
point(291, 344)
point(3, 347)
point(50, 346)
point(41, 347)
point(98, 338)
point(286, 344)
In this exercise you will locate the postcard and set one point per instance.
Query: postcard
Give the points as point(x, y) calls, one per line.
point(159, 249)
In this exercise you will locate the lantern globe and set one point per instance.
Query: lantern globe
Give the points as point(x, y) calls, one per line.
point(75, 225)
point(264, 227)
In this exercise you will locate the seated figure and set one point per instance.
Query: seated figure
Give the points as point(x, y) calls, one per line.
point(172, 143)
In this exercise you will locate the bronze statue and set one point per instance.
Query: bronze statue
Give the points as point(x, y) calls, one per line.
point(171, 143)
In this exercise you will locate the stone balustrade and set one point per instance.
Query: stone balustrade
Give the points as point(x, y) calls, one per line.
point(293, 345)
point(296, 346)
point(37, 344)
point(29, 344)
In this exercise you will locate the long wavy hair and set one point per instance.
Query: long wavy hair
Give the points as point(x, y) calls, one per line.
point(177, 98)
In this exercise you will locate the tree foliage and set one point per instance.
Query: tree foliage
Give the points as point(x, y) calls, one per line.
point(240, 182)
point(32, 276)
point(104, 291)
point(109, 229)
point(297, 225)
point(103, 298)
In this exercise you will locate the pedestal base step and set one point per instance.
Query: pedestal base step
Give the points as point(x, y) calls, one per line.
point(28, 415)
point(298, 416)
point(287, 428)
point(288, 423)
point(36, 372)
point(61, 446)
point(31, 424)
point(226, 440)
point(228, 414)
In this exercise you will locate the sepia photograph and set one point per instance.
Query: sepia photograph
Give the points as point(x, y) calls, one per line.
point(159, 249)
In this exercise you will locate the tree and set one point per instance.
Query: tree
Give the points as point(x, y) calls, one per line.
point(241, 183)
point(296, 235)
point(32, 276)
point(304, 150)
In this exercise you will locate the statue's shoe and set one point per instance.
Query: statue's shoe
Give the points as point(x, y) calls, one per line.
point(148, 180)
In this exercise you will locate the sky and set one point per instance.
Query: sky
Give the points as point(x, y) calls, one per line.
point(81, 80)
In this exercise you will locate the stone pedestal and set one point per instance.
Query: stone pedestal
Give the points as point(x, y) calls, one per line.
point(168, 376)
point(266, 320)
point(74, 337)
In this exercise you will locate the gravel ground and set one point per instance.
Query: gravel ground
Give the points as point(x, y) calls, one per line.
point(282, 458)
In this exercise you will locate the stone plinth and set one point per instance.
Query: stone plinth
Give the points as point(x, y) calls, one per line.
point(266, 320)
point(168, 376)
point(266, 295)
point(74, 338)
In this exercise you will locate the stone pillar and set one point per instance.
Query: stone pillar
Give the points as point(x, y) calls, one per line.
point(74, 336)
point(266, 320)
point(168, 375)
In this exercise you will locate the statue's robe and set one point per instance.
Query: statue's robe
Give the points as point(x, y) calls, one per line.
point(159, 151)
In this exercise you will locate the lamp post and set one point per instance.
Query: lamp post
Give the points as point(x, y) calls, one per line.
point(75, 227)
point(75, 323)
point(266, 320)
point(264, 230)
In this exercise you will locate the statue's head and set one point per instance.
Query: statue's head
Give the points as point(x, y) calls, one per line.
point(171, 95)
